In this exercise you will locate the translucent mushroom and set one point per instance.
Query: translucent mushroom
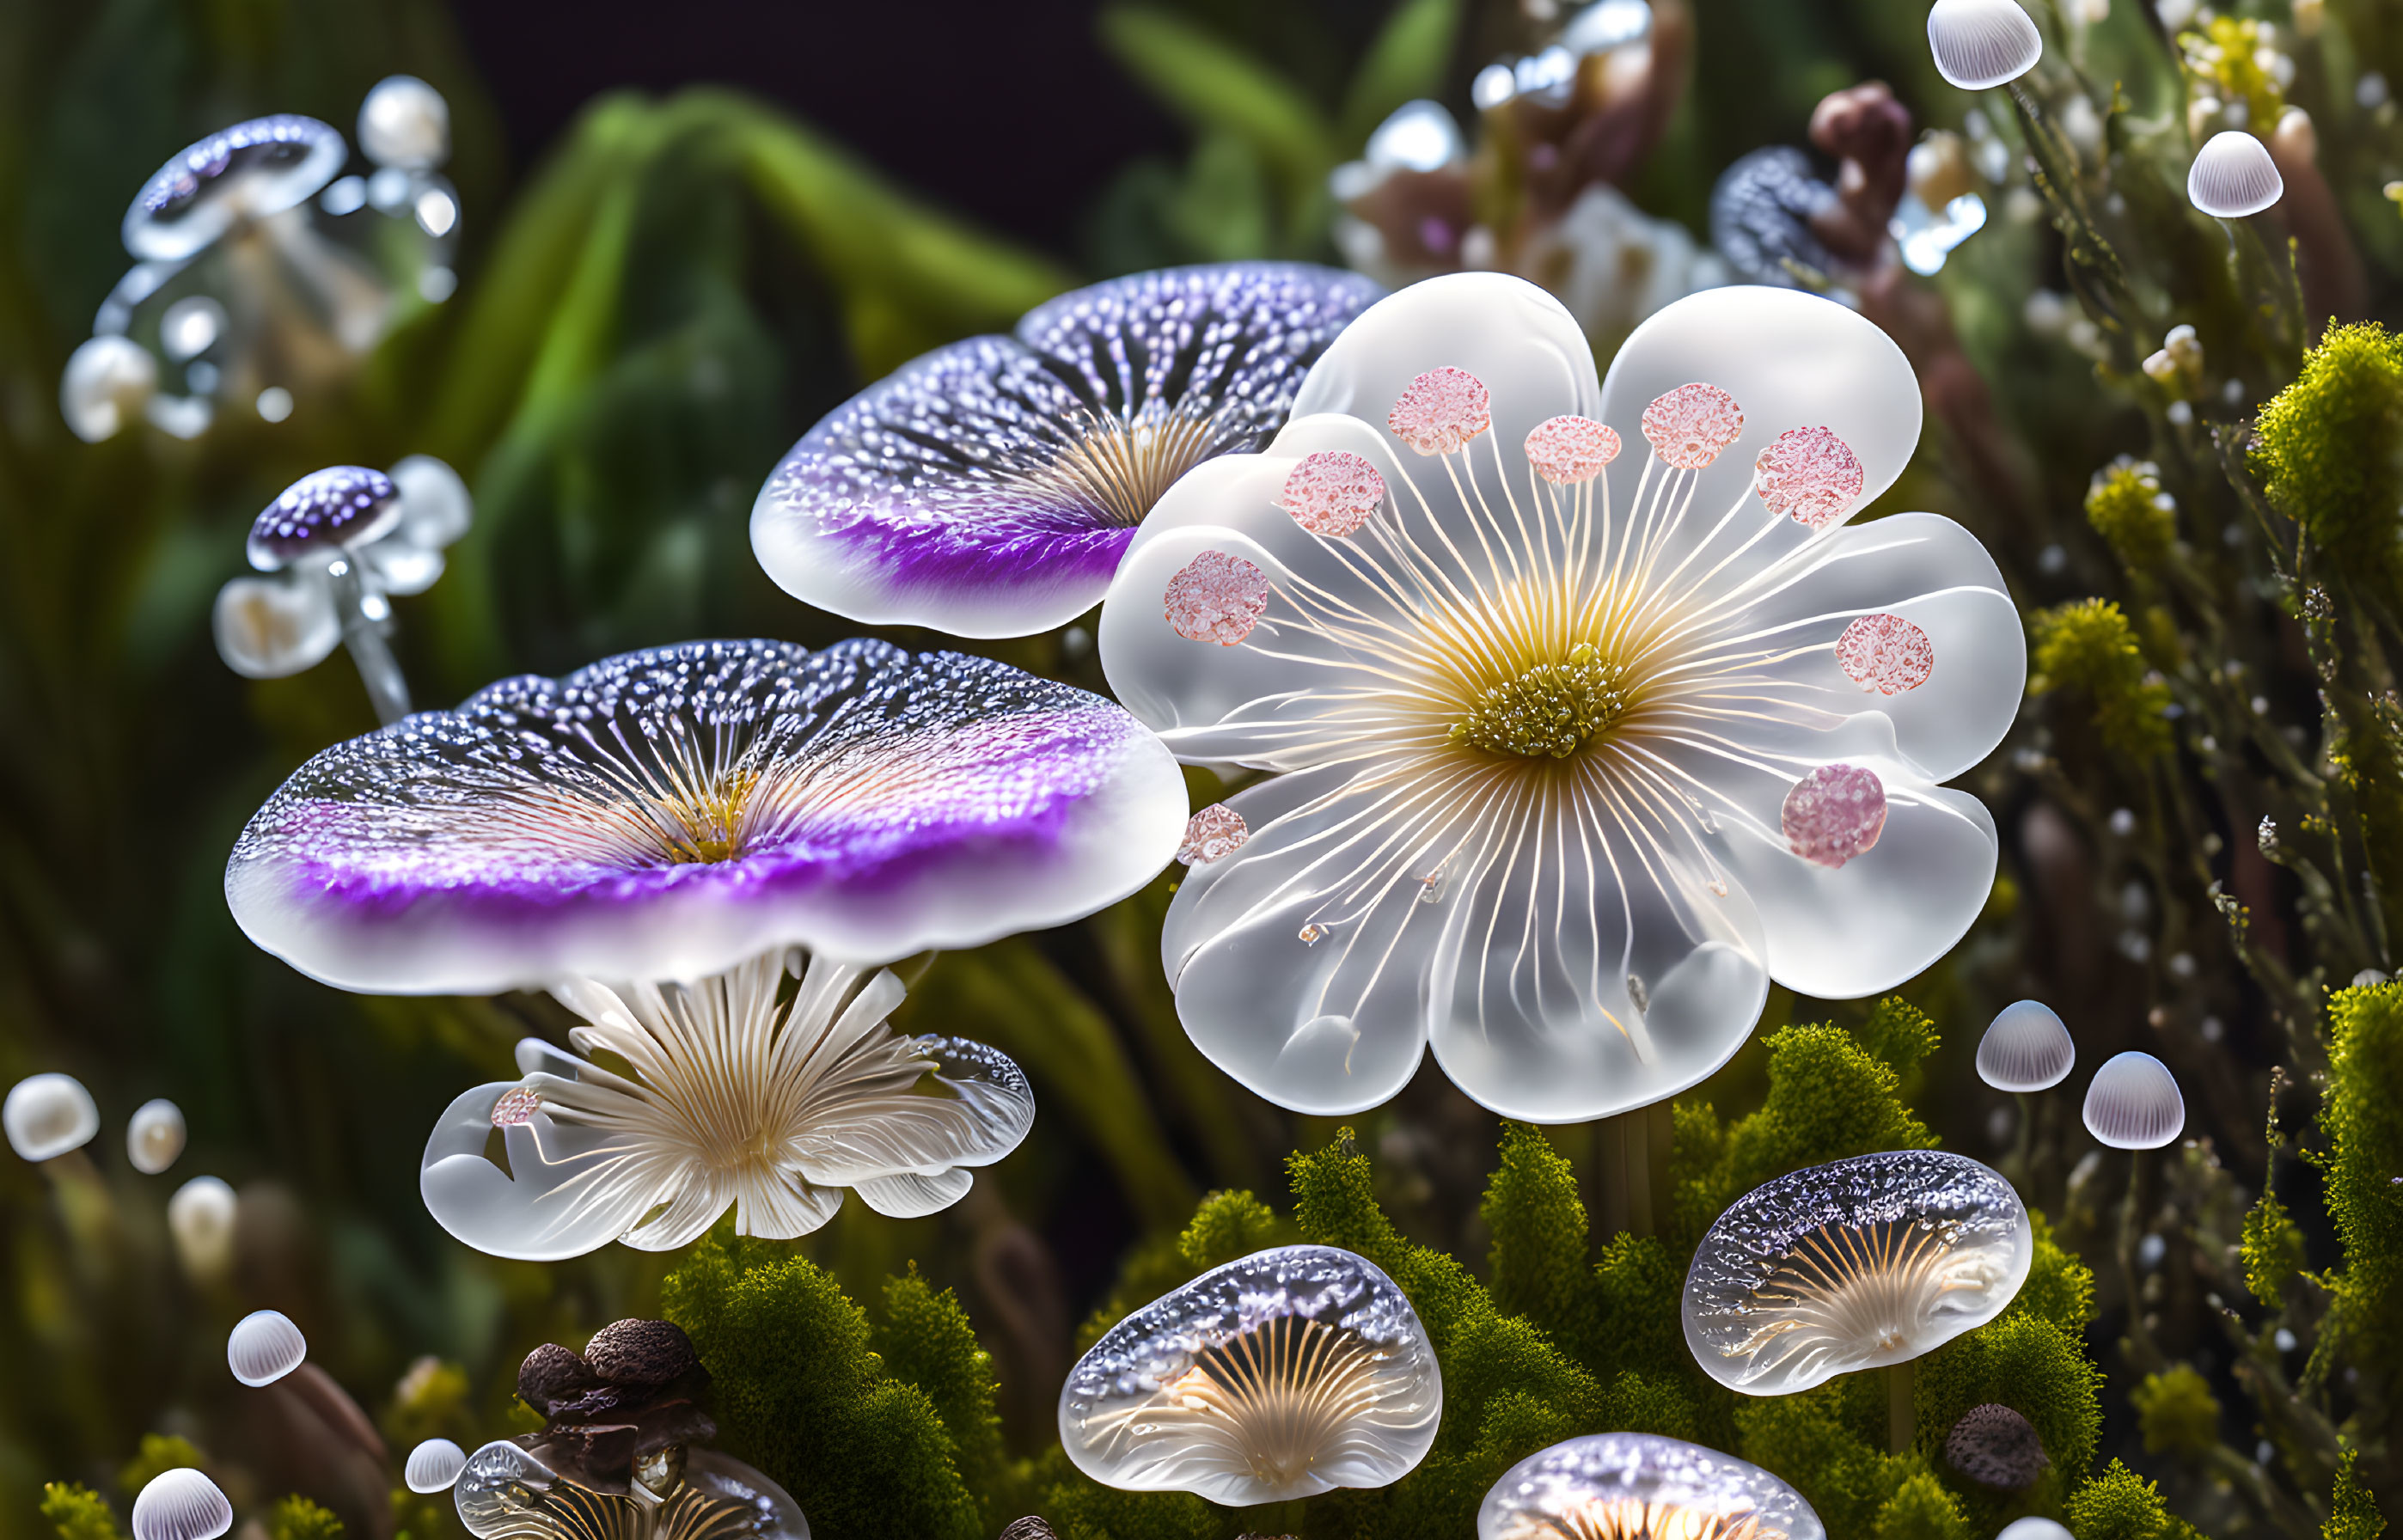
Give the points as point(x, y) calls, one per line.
point(1995, 1447)
point(1287, 1373)
point(2026, 1048)
point(1979, 44)
point(245, 173)
point(434, 1466)
point(109, 383)
point(723, 1094)
point(1633, 1486)
point(201, 1218)
point(155, 1136)
point(264, 1346)
point(2033, 1528)
point(49, 1115)
point(181, 1505)
point(338, 543)
point(404, 123)
point(673, 813)
point(508, 1492)
point(2233, 175)
point(991, 487)
point(2133, 1104)
point(1854, 1265)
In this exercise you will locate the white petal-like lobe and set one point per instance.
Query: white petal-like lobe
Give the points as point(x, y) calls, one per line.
point(1284, 1373)
point(667, 813)
point(1641, 1485)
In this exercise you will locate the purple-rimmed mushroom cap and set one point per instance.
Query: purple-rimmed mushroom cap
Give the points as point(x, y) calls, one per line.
point(1854, 1265)
point(248, 170)
point(667, 813)
point(1607, 1485)
point(322, 514)
point(989, 486)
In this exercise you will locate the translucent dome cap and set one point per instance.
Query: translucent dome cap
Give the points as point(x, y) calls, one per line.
point(249, 170)
point(1854, 1265)
point(1612, 1484)
point(2026, 1048)
point(505, 1492)
point(1279, 1376)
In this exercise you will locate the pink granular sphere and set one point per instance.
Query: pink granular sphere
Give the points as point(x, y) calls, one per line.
point(1834, 814)
point(1214, 834)
point(1886, 653)
point(1570, 450)
point(1442, 409)
point(516, 1105)
point(1217, 598)
point(1808, 475)
point(1689, 427)
point(1332, 493)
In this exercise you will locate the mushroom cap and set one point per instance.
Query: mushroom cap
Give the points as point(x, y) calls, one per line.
point(323, 514)
point(435, 507)
point(271, 628)
point(2026, 1048)
point(2233, 176)
point(181, 1505)
point(641, 1352)
point(155, 1136)
point(507, 1492)
point(1982, 43)
point(1639, 1483)
point(404, 122)
point(1419, 135)
point(248, 170)
point(672, 812)
point(991, 487)
point(106, 384)
point(1283, 1374)
point(551, 1375)
point(264, 1346)
point(1852, 1264)
point(1996, 1447)
point(201, 1218)
point(434, 1465)
point(1760, 216)
point(2033, 1528)
point(2134, 1103)
point(47, 1115)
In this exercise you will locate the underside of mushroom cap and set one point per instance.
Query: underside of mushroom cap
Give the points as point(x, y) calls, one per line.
point(509, 1491)
point(246, 172)
point(1854, 1265)
point(1636, 1486)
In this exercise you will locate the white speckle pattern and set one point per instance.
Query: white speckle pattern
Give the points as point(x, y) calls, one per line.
point(1215, 833)
point(1610, 1485)
point(1217, 598)
point(1834, 814)
point(323, 513)
point(1689, 427)
point(1885, 654)
point(253, 170)
point(1332, 493)
point(1441, 411)
point(1810, 476)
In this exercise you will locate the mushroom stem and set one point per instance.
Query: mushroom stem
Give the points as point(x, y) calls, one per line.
point(1902, 1418)
point(1634, 1159)
point(362, 613)
point(2023, 1146)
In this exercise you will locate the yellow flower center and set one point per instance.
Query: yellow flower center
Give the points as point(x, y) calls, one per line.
point(1550, 711)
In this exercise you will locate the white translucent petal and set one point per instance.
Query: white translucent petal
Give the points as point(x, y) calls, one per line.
point(2026, 1048)
point(47, 1115)
point(2134, 1103)
point(972, 1110)
point(693, 1205)
point(401, 568)
point(154, 1136)
point(913, 1197)
point(434, 1465)
point(568, 1191)
point(181, 1505)
point(537, 1057)
point(108, 382)
point(435, 506)
point(271, 627)
point(264, 1346)
point(1518, 341)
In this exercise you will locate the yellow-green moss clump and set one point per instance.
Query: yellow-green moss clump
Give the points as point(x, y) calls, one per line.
point(2177, 1413)
point(2131, 513)
point(78, 1512)
point(2119, 1505)
point(2330, 448)
point(2088, 646)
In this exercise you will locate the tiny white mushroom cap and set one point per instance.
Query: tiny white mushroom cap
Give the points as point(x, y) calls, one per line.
point(49, 1115)
point(434, 507)
point(2033, 1528)
point(404, 122)
point(2026, 1048)
point(268, 628)
point(155, 1136)
point(108, 382)
point(264, 1346)
point(2134, 1103)
point(1982, 43)
point(434, 1465)
point(1641, 1484)
point(181, 1505)
point(201, 1218)
point(2232, 175)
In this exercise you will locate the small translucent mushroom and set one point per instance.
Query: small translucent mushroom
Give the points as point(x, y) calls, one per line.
point(1995, 1447)
point(434, 1466)
point(1284, 1373)
point(108, 382)
point(49, 1115)
point(264, 1346)
point(1980, 44)
point(1858, 1264)
point(243, 174)
point(404, 123)
point(507, 1492)
point(155, 1136)
point(2033, 1528)
point(318, 532)
point(2026, 1048)
point(2134, 1103)
point(201, 1217)
point(1633, 1486)
point(2233, 175)
point(181, 1505)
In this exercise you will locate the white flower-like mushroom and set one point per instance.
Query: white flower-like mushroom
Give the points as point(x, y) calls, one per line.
point(733, 1094)
point(1636, 1486)
point(2233, 176)
point(49, 1115)
point(108, 382)
point(154, 1137)
point(181, 1504)
point(507, 1492)
point(1569, 767)
point(1858, 1264)
point(2026, 1048)
point(2134, 1103)
point(1284, 1373)
point(1980, 44)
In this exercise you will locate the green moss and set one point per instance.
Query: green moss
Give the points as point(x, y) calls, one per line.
point(2131, 513)
point(2088, 646)
point(430, 1402)
point(296, 1517)
point(2352, 1512)
point(2024, 1362)
point(2363, 1119)
point(926, 1341)
point(2177, 1413)
point(2119, 1505)
point(1827, 1443)
point(78, 1512)
point(159, 1453)
point(2060, 1288)
point(1538, 1256)
point(1227, 1226)
point(1921, 1509)
point(2272, 1248)
point(2330, 447)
